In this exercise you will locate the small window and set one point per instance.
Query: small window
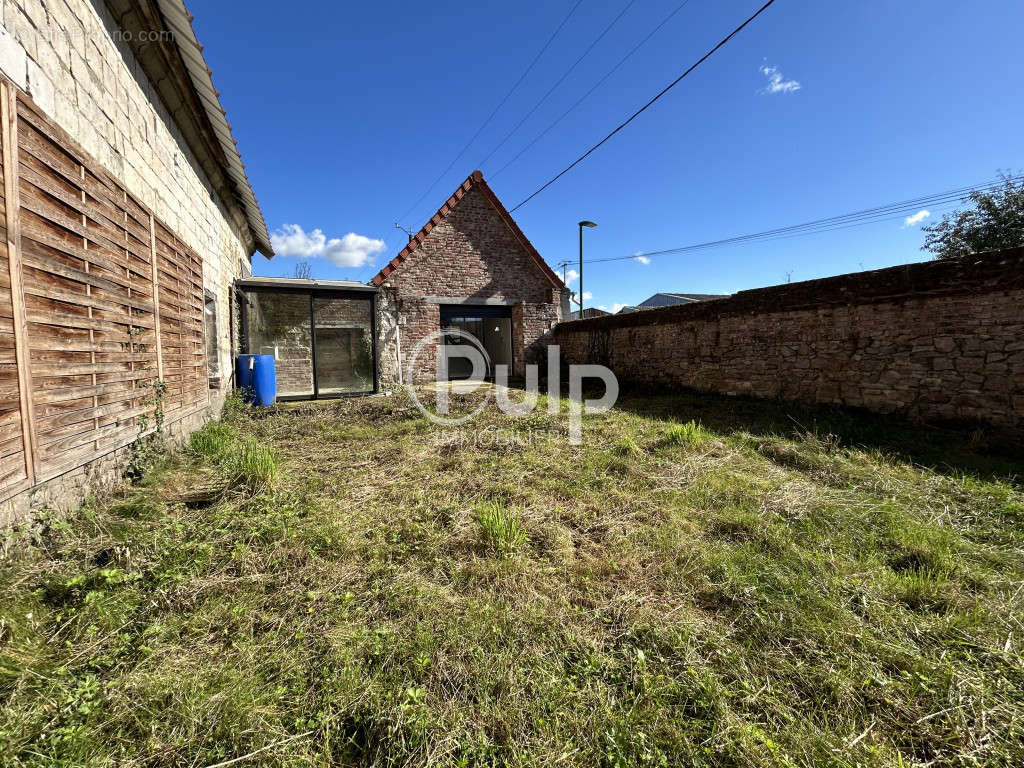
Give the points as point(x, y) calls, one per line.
point(212, 351)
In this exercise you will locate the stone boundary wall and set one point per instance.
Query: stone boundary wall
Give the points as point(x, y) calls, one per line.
point(934, 341)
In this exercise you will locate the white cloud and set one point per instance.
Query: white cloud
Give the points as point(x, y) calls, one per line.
point(917, 218)
point(616, 307)
point(352, 250)
point(291, 240)
point(776, 82)
point(587, 295)
point(642, 259)
point(571, 276)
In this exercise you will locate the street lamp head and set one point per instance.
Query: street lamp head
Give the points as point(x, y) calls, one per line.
point(588, 224)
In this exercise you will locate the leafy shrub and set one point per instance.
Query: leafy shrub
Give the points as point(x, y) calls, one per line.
point(502, 528)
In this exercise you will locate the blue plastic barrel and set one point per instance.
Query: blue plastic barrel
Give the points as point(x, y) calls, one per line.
point(257, 378)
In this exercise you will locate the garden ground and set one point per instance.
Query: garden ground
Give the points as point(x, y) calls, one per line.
point(704, 581)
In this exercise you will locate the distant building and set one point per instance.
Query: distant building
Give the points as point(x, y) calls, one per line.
point(588, 313)
point(670, 300)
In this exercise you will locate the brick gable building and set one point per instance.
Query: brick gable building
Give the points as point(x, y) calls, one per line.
point(470, 267)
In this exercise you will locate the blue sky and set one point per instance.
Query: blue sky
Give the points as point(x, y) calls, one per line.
point(346, 112)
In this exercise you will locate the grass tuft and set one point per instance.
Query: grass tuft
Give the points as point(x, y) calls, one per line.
point(215, 441)
point(502, 528)
point(627, 446)
point(254, 465)
point(690, 433)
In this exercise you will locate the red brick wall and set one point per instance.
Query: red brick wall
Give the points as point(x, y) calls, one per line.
point(940, 340)
point(471, 253)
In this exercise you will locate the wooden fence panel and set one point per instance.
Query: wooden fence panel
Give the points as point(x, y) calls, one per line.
point(112, 300)
point(182, 330)
point(15, 450)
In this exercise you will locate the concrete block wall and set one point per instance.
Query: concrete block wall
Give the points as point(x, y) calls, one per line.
point(935, 341)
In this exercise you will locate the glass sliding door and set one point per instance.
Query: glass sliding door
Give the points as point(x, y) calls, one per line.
point(343, 330)
point(322, 340)
point(279, 325)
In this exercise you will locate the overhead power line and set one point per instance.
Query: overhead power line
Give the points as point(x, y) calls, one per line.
point(842, 221)
point(490, 117)
point(558, 82)
point(645, 107)
point(593, 88)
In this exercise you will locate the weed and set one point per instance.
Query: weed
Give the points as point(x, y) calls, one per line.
point(627, 446)
point(236, 407)
point(254, 465)
point(502, 528)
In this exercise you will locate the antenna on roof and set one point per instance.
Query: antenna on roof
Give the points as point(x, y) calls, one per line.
point(407, 231)
point(562, 266)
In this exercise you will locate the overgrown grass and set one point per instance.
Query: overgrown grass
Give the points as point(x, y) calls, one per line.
point(703, 582)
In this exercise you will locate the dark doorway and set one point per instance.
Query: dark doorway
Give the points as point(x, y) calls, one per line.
point(490, 325)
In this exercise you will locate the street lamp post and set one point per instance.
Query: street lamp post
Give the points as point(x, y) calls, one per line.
point(582, 225)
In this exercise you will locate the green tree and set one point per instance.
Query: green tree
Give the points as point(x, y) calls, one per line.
point(996, 221)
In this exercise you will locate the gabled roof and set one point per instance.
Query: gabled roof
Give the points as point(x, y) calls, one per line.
point(475, 179)
point(665, 299)
point(175, 65)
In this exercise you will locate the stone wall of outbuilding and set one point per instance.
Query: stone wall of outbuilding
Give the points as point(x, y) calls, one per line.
point(469, 257)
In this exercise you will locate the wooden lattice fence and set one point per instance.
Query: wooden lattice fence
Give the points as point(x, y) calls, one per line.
point(99, 300)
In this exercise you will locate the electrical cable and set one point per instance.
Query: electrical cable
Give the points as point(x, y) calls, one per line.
point(644, 108)
point(490, 117)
